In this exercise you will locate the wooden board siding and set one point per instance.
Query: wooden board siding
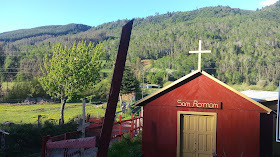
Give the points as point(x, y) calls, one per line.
point(238, 121)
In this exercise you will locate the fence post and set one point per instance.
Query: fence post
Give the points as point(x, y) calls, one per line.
point(135, 125)
point(65, 152)
point(44, 145)
point(88, 115)
point(39, 116)
point(131, 126)
point(120, 128)
point(139, 123)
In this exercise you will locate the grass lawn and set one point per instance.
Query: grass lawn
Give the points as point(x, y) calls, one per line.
point(22, 114)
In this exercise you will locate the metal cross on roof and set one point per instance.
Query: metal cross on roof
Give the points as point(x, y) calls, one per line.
point(199, 54)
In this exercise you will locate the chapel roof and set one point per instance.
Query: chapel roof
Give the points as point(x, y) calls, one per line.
point(188, 78)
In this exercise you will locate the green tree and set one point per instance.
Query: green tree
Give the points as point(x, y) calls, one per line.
point(70, 71)
point(22, 90)
point(129, 82)
point(2, 55)
point(2, 60)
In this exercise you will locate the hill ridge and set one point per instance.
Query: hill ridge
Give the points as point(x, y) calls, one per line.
point(54, 30)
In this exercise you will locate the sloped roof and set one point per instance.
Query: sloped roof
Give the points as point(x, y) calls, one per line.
point(188, 78)
point(261, 96)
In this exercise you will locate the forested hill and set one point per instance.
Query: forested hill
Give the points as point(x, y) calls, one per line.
point(245, 44)
point(54, 30)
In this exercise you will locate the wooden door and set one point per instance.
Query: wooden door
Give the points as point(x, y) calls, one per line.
point(198, 135)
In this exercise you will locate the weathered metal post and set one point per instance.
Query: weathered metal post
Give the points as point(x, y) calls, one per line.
point(114, 91)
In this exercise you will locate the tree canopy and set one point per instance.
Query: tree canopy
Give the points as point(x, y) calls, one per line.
point(129, 82)
point(69, 71)
point(245, 44)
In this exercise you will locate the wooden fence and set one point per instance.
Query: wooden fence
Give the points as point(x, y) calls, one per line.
point(132, 126)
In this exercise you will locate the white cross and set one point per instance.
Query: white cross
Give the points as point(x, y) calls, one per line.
point(199, 54)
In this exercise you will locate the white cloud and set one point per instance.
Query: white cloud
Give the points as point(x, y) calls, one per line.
point(268, 2)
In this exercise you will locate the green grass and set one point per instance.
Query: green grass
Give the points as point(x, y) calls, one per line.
point(23, 114)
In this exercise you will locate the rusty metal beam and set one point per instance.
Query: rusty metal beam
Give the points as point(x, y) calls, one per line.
point(114, 91)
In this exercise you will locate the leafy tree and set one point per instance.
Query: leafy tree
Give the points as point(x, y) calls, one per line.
point(2, 60)
point(2, 55)
point(129, 82)
point(100, 90)
point(70, 71)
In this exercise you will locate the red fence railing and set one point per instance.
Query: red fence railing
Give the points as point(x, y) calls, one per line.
point(61, 141)
point(132, 126)
point(93, 131)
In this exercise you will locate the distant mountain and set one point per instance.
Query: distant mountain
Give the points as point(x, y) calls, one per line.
point(245, 44)
point(54, 30)
point(270, 12)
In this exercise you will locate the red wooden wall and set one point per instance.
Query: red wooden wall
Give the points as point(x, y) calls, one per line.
point(238, 122)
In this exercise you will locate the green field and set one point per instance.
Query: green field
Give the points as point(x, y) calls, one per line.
point(22, 114)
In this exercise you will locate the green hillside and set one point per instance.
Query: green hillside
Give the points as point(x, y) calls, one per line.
point(245, 44)
point(55, 30)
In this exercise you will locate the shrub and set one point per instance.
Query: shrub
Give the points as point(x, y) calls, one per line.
point(127, 147)
point(262, 83)
point(26, 139)
point(22, 90)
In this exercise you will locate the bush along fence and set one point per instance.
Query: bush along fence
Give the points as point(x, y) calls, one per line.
point(70, 144)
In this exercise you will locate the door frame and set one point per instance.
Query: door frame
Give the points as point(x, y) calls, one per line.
point(179, 113)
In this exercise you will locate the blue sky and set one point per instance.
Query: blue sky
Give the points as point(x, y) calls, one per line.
point(19, 14)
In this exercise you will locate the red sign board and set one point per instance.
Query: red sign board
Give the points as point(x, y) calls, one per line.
point(199, 104)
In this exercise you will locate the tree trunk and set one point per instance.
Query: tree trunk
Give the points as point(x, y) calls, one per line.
point(61, 120)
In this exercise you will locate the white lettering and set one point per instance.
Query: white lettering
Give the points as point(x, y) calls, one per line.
point(197, 104)
point(179, 101)
point(186, 104)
